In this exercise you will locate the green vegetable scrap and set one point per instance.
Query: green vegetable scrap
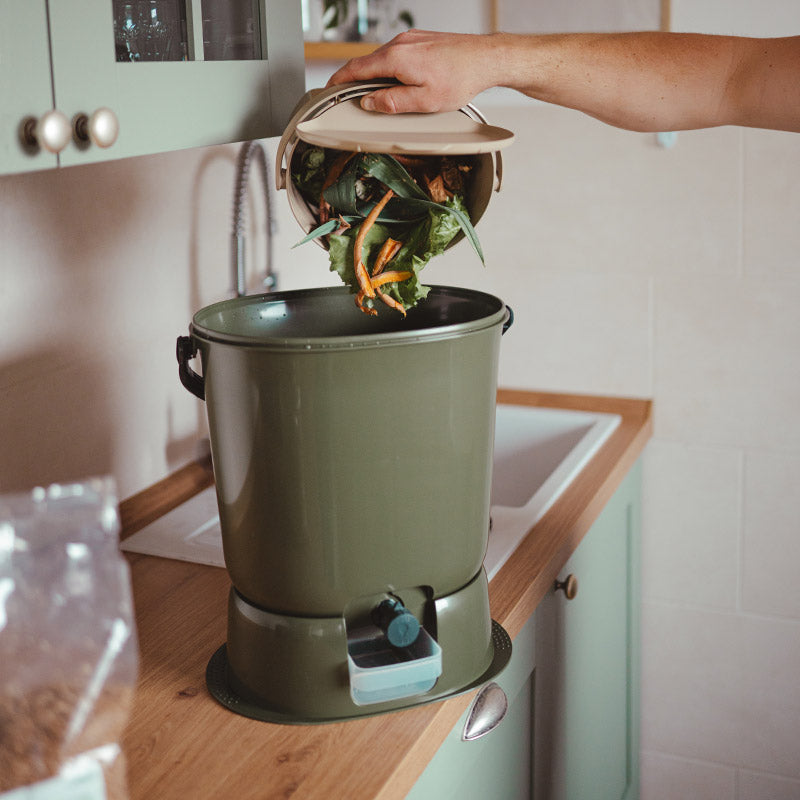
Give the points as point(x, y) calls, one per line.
point(374, 211)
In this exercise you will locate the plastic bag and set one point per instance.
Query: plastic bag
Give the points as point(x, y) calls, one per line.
point(68, 649)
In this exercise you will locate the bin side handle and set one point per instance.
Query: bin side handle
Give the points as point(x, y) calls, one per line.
point(509, 319)
point(185, 351)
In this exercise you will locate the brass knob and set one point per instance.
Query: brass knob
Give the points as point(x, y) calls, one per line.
point(101, 128)
point(569, 586)
point(51, 131)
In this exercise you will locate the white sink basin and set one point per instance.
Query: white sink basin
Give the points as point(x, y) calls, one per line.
point(538, 453)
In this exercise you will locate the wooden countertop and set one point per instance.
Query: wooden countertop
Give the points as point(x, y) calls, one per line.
point(181, 743)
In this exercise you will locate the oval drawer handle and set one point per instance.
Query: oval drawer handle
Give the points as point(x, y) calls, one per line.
point(486, 712)
point(569, 586)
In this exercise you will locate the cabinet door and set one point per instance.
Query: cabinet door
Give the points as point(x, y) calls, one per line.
point(586, 729)
point(25, 86)
point(497, 765)
point(217, 94)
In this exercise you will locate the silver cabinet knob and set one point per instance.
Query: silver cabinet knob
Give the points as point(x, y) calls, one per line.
point(486, 712)
point(51, 131)
point(101, 128)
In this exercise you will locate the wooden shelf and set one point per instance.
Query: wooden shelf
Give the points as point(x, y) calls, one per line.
point(338, 51)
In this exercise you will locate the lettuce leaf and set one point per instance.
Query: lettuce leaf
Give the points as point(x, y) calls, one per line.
point(425, 227)
point(421, 243)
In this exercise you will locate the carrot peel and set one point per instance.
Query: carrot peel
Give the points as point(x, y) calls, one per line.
point(362, 276)
point(387, 253)
point(390, 276)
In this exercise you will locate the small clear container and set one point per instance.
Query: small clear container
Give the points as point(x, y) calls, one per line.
point(380, 672)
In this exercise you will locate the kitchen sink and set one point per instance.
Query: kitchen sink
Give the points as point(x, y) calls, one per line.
point(538, 453)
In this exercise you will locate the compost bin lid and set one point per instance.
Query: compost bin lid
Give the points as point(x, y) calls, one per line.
point(345, 125)
point(333, 117)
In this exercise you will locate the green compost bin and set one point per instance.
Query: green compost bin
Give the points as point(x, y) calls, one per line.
point(352, 453)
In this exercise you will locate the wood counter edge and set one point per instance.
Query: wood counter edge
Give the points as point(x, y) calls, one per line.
point(153, 502)
point(514, 592)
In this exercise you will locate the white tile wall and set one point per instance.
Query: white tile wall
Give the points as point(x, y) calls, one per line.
point(771, 551)
point(606, 200)
point(692, 525)
point(771, 241)
point(724, 363)
point(737, 17)
point(633, 270)
point(721, 687)
point(668, 778)
point(544, 17)
point(102, 268)
point(758, 786)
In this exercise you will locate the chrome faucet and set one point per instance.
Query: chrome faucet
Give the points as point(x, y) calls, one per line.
point(248, 151)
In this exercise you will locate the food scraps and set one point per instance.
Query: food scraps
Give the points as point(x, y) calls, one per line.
point(376, 211)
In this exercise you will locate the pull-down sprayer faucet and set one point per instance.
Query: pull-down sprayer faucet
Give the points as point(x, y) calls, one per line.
point(238, 263)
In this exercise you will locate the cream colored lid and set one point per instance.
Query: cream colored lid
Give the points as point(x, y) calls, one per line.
point(347, 126)
point(333, 117)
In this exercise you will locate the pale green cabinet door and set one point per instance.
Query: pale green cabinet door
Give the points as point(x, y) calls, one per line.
point(572, 730)
point(168, 105)
point(218, 91)
point(587, 673)
point(498, 765)
point(25, 86)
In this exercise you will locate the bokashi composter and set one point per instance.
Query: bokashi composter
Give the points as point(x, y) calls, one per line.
point(352, 456)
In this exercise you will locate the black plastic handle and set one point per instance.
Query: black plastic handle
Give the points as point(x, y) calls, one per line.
point(186, 351)
point(509, 319)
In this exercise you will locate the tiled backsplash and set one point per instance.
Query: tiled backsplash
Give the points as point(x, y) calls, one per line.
point(654, 278)
point(632, 269)
point(103, 267)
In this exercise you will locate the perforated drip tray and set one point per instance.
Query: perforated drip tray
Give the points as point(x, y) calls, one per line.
point(219, 685)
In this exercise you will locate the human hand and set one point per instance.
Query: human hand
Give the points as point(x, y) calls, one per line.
point(437, 71)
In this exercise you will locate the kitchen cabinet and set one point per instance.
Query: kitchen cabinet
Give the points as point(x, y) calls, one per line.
point(586, 725)
point(175, 74)
point(25, 81)
point(572, 728)
point(499, 763)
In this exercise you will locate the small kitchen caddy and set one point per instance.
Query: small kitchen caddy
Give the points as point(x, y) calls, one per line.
point(333, 117)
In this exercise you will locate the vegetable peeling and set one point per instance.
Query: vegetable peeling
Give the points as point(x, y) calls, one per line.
point(385, 217)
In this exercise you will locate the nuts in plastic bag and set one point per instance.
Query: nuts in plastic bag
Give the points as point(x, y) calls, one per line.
point(68, 649)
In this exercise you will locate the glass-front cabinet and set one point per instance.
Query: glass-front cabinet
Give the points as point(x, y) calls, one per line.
point(89, 80)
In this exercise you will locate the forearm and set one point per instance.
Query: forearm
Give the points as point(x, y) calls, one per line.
point(647, 81)
point(641, 81)
point(655, 81)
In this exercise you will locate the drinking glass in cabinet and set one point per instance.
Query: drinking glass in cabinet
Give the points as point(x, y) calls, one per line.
point(150, 30)
point(157, 30)
point(354, 20)
point(231, 30)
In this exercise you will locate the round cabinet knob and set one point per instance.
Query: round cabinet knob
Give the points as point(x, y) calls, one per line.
point(51, 131)
point(569, 586)
point(101, 128)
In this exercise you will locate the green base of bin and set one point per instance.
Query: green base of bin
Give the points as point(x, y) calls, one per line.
point(218, 681)
point(287, 669)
